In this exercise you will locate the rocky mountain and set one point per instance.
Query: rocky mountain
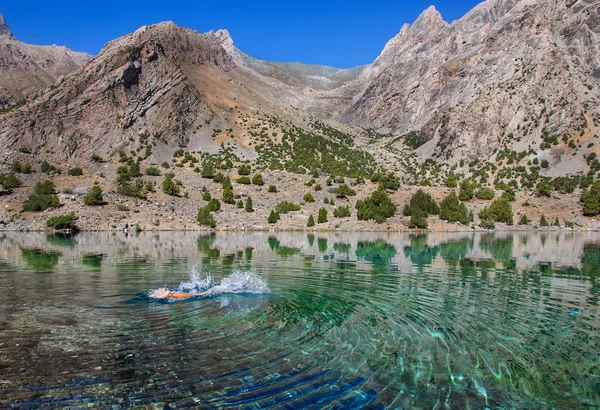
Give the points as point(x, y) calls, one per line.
point(139, 83)
point(516, 75)
point(526, 68)
point(26, 68)
point(315, 77)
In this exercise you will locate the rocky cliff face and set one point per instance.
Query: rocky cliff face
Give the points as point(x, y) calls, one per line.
point(25, 68)
point(505, 67)
point(510, 73)
point(139, 84)
point(4, 30)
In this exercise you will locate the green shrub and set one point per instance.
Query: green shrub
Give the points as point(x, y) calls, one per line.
point(257, 179)
point(165, 165)
point(500, 210)
point(42, 198)
point(213, 205)
point(557, 222)
point(524, 220)
point(322, 217)
point(467, 190)
point(228, 196)
point(137, 190)
point(387, 181)
point(311, 221)
point(94, 197)
point(273, 217)
point(326, 200)
point(226, 183)
point(421, 201)
point(16, 166)
point(451, 181)
point(75, 171)
point(308, 197)
point(244, 169)
point(205, 218)
point(544, 189)
point(208, 170)
point(243, 180)
point(343, 191)
point(206, 196)
point(153, 171)
point(543, 221)
point(485, 193)
point(544, 163)
point(452, 210)
point(284, 207)
point(249, 205)
point(318, 187)
point(240, 204)
point(11, 181)
point(272, 188)
point(378, 207)
point(342, 212)
point(97, 158)
point(219, 177)
point(590, 198)
point(169, 186)
point(46, 168)
point(60, 222)
point(418, 219)
point(24, 150)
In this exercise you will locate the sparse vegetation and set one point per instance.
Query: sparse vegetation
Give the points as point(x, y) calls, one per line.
point(257, 179)
point(94, 197)
point(62, 222)
point(308, 197)
point(249, 207)
point(43, 198)
point(153, 171)
point(169, 186)
point(452, 210)
point(10, 182)
point(344, 191)
point(500, 210)
point(284, 207)
point(341, 212)
point(75, 171)
point(322, 217)
point(378, 207)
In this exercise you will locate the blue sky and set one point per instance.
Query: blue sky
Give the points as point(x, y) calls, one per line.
point(337, 33)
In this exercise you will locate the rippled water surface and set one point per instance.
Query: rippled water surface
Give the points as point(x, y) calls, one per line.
point(301, 320)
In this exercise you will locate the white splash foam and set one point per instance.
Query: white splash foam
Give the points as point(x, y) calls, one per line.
point(237, 282)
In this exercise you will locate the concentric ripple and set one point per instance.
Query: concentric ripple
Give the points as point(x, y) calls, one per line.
point(301, 321)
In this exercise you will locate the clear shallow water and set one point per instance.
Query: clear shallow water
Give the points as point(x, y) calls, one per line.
point(345, 320)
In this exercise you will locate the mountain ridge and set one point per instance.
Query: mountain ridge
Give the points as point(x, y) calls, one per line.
point(26, 68)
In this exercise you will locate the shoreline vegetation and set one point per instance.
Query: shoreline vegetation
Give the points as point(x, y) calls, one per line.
point(125, 194)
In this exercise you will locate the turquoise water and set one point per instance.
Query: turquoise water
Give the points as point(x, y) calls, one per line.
point(300, 320)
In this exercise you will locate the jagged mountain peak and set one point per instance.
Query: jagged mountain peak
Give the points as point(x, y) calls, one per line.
point(428, 15)
point(4, 29)
point(222, 37)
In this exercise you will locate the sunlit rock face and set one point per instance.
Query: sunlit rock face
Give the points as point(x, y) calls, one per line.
point(26, 68)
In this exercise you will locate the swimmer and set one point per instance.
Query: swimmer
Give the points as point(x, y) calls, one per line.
point(163, 293)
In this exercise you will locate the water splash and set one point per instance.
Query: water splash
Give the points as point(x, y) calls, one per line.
point(239, 282)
